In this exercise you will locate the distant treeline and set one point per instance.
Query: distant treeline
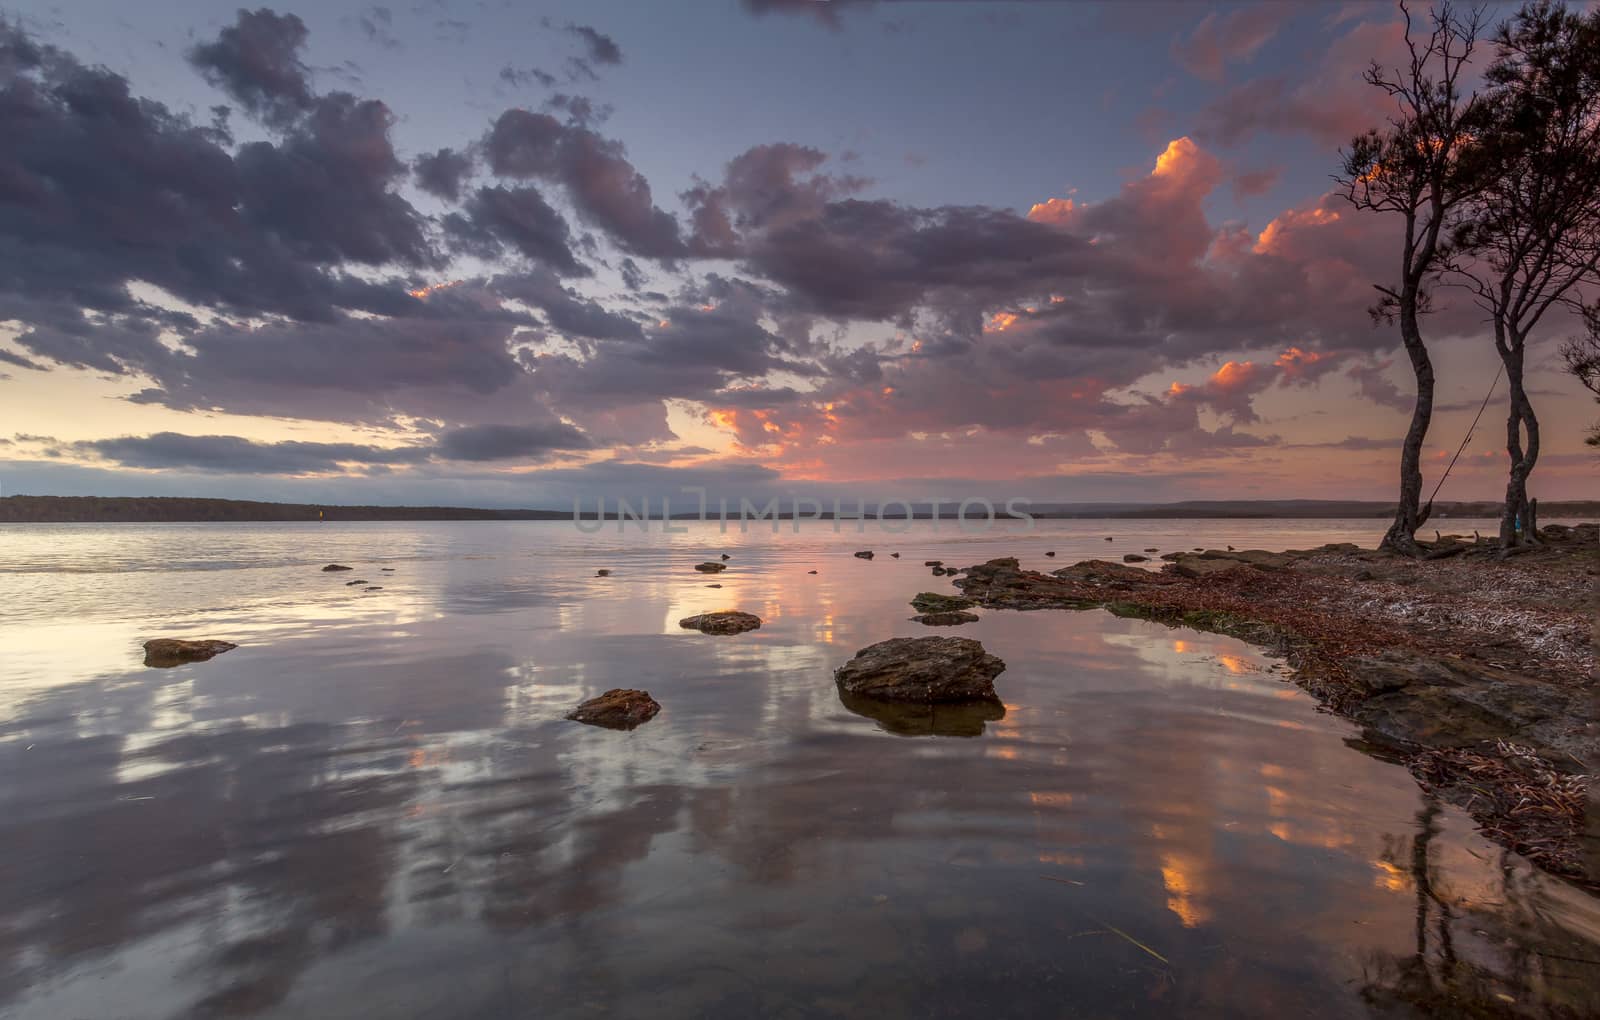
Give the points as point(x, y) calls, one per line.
point(158, 509)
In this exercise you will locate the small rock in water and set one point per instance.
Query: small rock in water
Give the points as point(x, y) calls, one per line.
point(933, 563)
point(713, 586)
point(1111, 538)
point(373, 588)
point(894, 556)
point(1052, 552)
point(711, 567)
point(938, 571)
point(602, 572)
point(349, 584)
point(726, 556)
point(165, 652)
point(387, 570)
point(865, 554)
point(946, 619)
point(727, 621)
point(811, 571)
point(1133, 558)
point(617, 709)
point(1153, 548)
point(933, 602)
point(922, 670)
point(330, 568)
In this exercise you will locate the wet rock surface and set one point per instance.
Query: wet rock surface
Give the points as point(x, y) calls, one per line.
point(951, 618)
point(332, 567)
point(933, 602)
point(864, 554)
point(166, 652)
point(922, 670)
point(617, 709)
point(727, 621)
point(711, 567)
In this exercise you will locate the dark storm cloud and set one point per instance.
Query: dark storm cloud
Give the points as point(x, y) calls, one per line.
point(442, 172)
point(568, 313)
point(509, 442)
point(256, 60)
point(327, 190)
point(234, 454)
point(604, 187)
point(495, 219)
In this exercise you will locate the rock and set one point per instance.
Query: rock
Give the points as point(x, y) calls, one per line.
point(1201, 566)
point(348, 584)
point(165, 652)
point(811, 571)
point(938, 571)
point(373, 588)
point(908, 719)
point(330, 568)
point(1199, 548)
point(713, 586)
point(602, 572)
point(617, 709)
point(933, 563)
point(1051, 553)
point(1111, 538)
point(1100, 570)
point(894, 556)
point(950, 618)
point(711, 567)
point(922, 670)
point(1134, 558)
point(1153, 549)
point(865, 554)
point(726, 556)
point(1230, 548)
point(727, 621)
point(933, 602)
point(387, 570)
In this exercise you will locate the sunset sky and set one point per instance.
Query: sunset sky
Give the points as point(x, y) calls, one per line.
point(505, 254)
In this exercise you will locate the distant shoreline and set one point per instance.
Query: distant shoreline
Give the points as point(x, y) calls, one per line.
point(184, 510)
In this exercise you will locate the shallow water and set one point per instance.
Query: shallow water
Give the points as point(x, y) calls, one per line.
point(373, 807)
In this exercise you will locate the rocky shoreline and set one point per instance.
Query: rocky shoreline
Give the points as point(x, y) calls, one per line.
point(1474, 669)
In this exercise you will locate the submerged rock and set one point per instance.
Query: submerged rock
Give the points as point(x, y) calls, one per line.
point(922, 670)
point(908, 719)
point(350, 584)
point(330, 568)
point(165, 652)
point(727, 621)
point(711, 567)
point(946, 619)
point(1133, 558)
point(865, 554)
point(617, 709)
point(933, 602)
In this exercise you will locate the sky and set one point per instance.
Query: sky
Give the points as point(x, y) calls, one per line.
point(517, 254)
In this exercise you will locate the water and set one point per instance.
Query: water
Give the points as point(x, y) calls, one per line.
point(372, 808)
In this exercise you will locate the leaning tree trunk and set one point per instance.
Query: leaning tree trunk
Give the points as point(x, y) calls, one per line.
point(1520, 419)
point(1410, 515)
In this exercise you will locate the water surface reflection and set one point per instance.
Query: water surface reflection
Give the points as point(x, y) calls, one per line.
point(373, 808)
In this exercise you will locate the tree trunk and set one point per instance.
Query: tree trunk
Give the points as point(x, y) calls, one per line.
point(1409, 515)
point(1516, 525)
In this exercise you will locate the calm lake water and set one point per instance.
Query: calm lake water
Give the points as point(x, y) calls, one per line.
point(373, 808)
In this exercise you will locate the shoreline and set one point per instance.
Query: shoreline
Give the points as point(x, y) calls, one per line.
point(1475, 671)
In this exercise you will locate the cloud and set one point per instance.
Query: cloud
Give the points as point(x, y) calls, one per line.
point(257, 61)
point(604, 187)
point(1229, 38)
point(235, 455)
point(602, 48)
point(508, 442)
point(494, 219)
point(442, 172)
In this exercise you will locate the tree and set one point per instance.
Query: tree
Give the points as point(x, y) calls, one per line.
point(1418, 168)
point(1582, 355)
point(1530, 236)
